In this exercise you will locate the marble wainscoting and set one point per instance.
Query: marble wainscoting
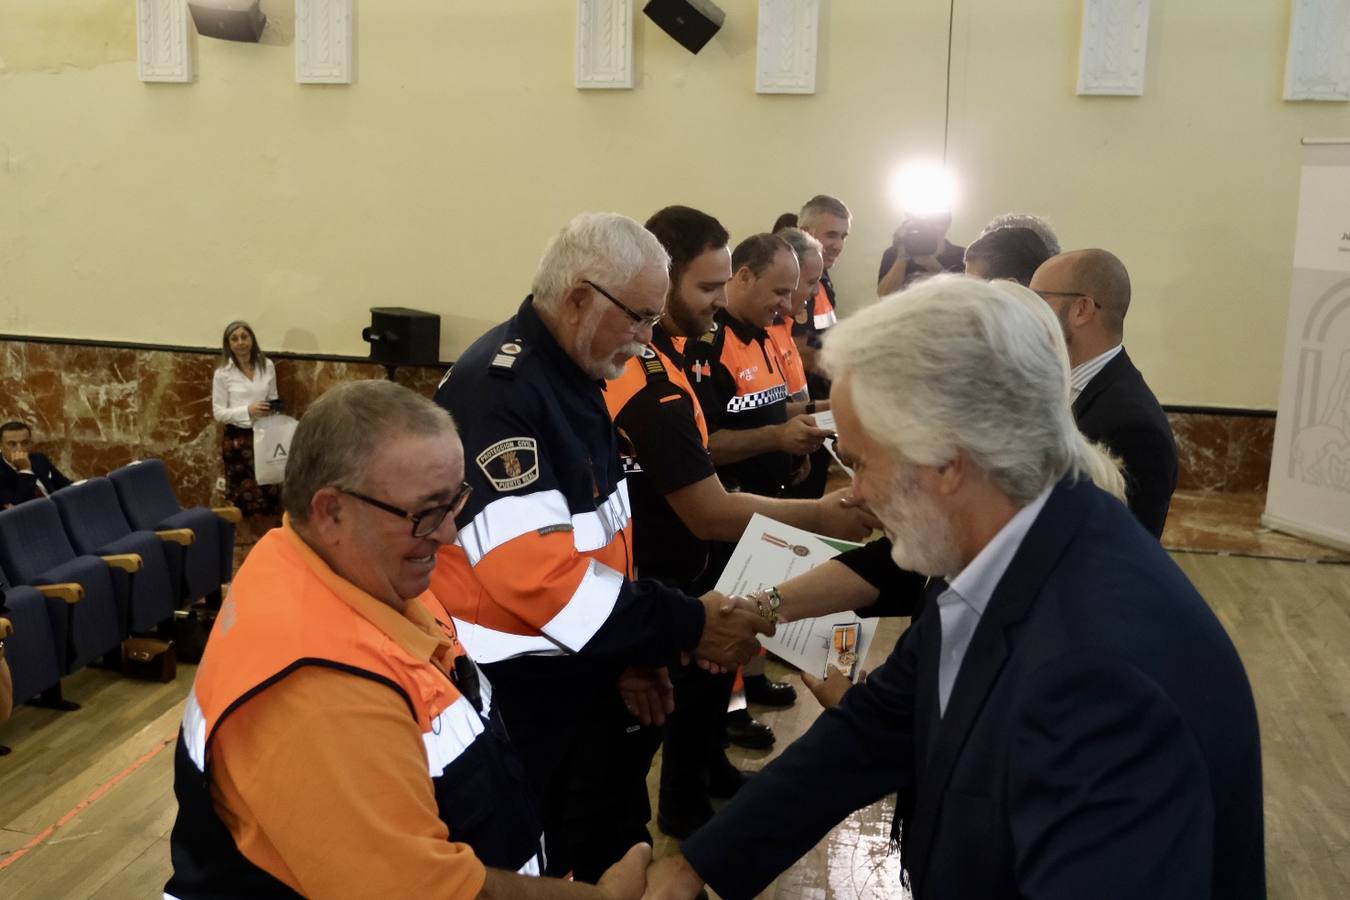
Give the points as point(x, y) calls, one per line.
point(1221, 489)
point(95, 408)
point(1220, 451)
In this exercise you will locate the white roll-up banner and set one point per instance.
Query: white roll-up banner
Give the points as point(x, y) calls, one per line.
point(1309, 493)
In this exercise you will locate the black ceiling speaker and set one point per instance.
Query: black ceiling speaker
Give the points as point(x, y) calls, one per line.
point(230, 20)
point(691, 22)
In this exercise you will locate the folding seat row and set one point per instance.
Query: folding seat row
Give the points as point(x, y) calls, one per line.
point(99, 561)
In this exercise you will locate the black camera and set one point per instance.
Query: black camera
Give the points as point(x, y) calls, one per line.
point(921, 237)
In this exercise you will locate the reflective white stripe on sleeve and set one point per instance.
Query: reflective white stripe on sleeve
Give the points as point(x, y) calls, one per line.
point(458, 726)
point(595, 530)
point(507, 518)
point(487, 645)
point(825, 319)
point(589, 609)
point(194, 731)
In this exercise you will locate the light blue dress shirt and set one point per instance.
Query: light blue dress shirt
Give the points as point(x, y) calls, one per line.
point(964, 601)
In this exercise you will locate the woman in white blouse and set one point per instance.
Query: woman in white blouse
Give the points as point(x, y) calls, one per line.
point(244, 390)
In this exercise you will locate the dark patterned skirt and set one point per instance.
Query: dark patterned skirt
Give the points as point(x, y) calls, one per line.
point(253, 499)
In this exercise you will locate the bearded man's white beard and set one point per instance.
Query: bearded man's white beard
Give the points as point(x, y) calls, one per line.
point(921, 537)
point(606, 368)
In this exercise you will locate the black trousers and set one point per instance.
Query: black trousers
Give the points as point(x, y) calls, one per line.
point(587, 759)
point(693, 739)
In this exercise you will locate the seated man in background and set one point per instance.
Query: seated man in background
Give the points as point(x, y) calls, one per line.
point(337, 741)
point(1044, 727)
point(24, 473)
point(1089, 290)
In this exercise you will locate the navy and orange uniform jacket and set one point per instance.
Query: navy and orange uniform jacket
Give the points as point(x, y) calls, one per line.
point(543, 564)
point(738, 377)
point(664, 442)
point(820, 314)
point(288, 612)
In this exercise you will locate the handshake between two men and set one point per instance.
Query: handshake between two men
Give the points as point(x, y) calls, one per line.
point(730, 627)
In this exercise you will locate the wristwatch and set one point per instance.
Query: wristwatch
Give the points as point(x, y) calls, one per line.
point(811, 408)
point(768, 604)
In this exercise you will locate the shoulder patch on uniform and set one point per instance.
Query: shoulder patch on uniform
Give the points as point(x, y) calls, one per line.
point(510, 464)
point(647, 352)
point(506, 357)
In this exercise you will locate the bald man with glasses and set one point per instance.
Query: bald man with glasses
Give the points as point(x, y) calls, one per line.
point(1089, 292)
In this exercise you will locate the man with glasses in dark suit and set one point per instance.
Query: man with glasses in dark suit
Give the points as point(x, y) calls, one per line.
point(25, 474)
point(1089, 291)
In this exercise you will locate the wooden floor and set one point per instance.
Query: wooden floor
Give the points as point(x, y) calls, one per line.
point(1290, 620)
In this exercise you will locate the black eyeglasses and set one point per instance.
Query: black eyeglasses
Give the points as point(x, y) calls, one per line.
point(650, 321)
point(1047, 294)
point(427, 521)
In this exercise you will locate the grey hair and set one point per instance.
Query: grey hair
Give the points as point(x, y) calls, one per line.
point(800, 242)
point(956, 364)
point(1030, 222)
point(607, 248)
point(341, 431)
point(822, 204)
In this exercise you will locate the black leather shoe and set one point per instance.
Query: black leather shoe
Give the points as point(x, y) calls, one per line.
point(744, 731)
point(759, 689)
point(682, 823)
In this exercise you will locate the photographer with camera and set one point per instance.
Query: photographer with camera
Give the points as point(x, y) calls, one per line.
point(919, 248)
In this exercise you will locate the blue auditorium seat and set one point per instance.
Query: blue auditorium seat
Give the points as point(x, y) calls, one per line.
point(34, 550)
point(34, 652)
point(96, 525)
point(149, 501)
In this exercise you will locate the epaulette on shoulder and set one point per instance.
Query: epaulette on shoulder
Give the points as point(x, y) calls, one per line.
point(711, 336)
point(508, 357)
point(652, 365)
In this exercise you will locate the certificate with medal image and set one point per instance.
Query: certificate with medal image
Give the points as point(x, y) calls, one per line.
point(770, 553)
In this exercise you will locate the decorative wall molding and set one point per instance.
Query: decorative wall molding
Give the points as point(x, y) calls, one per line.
point(1114, 45)
point(604, 43)
point(785, 58)
point(323, 41)
point(1319, 51)
point(163, 43)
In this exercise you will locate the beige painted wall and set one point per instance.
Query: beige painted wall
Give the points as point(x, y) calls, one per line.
point(157, 212)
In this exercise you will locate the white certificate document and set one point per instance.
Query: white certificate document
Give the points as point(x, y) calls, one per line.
point(824, 420)
point(770, 553)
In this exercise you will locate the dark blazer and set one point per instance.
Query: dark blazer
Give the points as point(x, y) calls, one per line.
point(16, 487)
point(1100, 740)
point(1118, 409)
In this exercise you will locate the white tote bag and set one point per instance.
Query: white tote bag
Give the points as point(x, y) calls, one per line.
point(271, 447)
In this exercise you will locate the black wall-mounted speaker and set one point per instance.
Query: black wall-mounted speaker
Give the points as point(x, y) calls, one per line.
point(403, 337)
point(690, 22)
point(229, 20)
